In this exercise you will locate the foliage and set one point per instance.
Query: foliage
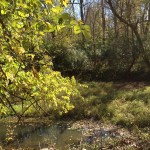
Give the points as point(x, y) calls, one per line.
point(115, 51)
point(68, 55)
point(129, 113)
point(26, 75)
point(119, 103)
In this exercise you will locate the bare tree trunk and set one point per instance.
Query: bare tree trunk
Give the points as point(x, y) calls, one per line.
point(103, 20)
point(149, 12)
point(86, 14)
point(73, 9)
point(115, 27)
point(134, 28)
point(81, 10)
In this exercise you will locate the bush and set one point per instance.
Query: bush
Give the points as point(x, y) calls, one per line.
point(129, 112)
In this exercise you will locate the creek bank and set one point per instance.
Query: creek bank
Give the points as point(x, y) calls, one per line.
point(86, 134)
point(108, 136)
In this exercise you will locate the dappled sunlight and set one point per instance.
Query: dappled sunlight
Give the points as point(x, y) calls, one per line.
point(69, 60)
point(127, 105)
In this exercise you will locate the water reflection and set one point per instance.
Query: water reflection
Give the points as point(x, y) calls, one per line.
point(59, 135)
point(29, 136)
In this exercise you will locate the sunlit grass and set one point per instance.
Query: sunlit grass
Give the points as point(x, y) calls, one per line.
point(127, 104)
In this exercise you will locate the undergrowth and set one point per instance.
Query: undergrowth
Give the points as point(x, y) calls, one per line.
point(126, 104)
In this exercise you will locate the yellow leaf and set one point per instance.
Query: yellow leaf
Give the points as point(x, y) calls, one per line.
point(65, 2)
point(49, 2)
point(19, 50)
point(9, 58)
point(10, 75)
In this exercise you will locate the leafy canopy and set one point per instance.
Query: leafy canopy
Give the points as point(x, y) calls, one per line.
point(26, 76)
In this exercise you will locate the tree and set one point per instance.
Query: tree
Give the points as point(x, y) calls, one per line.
point(133, 23)
point(117, 48)
point(27, 80)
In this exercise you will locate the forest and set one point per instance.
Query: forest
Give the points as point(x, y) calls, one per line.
point(74, 74)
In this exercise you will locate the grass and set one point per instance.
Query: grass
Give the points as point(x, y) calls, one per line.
point(125, 104)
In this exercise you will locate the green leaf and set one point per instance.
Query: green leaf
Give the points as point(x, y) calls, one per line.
point(22, 14)
point(51, 28)
point(77, 29)
point(86, 34)
point(65, 16)
point(49, 1)
point(57, 10)
point(3, 12)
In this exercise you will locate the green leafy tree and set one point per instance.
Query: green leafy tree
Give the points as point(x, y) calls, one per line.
point(27, 81)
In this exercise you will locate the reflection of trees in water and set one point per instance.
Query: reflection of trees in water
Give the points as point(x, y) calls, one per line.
point(18, 133)
point(62, 127)
point(34, 135)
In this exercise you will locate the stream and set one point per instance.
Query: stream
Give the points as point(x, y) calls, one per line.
point(58, 135)
point(66, 135)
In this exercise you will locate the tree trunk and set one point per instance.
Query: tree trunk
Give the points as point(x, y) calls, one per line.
point(81, 10)
point(103, 20)
point(134, 28)
point(115, 27)
point(149, 12)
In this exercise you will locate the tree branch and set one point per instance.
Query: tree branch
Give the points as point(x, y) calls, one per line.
point(132, 25)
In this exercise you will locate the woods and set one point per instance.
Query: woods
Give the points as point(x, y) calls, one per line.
point(76, 59)
point(118, 45)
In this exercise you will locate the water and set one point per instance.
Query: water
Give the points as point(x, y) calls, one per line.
point(59, 135)
point(40, 136)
